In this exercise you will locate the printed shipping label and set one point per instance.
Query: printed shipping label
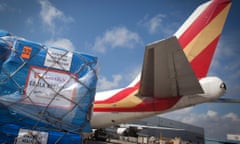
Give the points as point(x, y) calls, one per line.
point(49, 88)
point(58, 59)
point(26, 136)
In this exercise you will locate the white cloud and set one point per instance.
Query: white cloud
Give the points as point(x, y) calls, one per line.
point(61, 43)
point(232, 116)
point(226, 64)
point(3, 6)
point(105, 84)
point(212, 114)
point(51, 14)
point(214, 124)
point(29, 21)
point(117, 80)
point(157, 24)
point(226, 52)
point(115, 38)
point(135, 71)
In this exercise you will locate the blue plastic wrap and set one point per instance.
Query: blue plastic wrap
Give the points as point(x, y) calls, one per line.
point(43, 87)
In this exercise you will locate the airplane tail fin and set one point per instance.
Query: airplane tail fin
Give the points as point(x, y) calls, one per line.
point(173, 66)
point(200, 33)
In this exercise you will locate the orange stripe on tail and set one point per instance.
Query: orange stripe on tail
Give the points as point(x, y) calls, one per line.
point(199, 35)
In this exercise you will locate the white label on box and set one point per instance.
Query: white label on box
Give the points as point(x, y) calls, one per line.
point(49, 88)
point(26, 136)
point(58, 59)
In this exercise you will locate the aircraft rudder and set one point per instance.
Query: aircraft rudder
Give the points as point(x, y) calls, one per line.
point(200, 34)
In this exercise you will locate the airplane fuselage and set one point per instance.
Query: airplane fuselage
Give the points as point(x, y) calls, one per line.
point(123, 105)
point(174, 72)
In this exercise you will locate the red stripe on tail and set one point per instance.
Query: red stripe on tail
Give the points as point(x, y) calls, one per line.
point(202, 21)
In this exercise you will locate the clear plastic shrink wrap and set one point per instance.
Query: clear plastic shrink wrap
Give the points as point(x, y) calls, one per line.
point(45, 88)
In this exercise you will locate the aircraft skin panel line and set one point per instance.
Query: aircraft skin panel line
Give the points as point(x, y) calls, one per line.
point(198, 38)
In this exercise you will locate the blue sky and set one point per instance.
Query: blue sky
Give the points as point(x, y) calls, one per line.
point(117, 31)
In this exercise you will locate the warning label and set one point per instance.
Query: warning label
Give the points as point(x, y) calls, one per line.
point(49, 88)
point(26, 52)
point(58, 59)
